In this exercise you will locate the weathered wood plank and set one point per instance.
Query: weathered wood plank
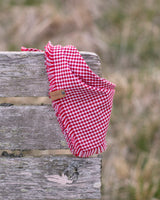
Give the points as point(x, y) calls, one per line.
point(50, 178)
point(24, 73)
point(30, 127)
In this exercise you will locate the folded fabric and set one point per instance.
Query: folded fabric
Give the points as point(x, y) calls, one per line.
point(84, 112)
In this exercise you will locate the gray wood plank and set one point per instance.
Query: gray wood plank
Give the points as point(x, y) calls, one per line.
point(24, 73)
point(30, 127)
point(50, 178)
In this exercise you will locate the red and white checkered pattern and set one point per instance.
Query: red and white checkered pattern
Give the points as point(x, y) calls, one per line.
point(84, 113)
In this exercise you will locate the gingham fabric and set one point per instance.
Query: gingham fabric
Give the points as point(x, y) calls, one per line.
point(84, 113)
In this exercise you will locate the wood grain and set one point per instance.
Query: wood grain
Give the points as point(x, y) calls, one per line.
point(33, 132)
point(50, 178)
point(30, 127)
point(23, 74)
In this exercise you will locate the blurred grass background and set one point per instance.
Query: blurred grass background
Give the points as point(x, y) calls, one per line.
point(126, 36)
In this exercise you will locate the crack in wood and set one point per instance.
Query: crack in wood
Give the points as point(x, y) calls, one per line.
point(12, 155)
point(35, 153)
point(6, 104)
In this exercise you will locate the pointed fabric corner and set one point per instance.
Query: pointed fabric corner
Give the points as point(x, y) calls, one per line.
point(84, 112)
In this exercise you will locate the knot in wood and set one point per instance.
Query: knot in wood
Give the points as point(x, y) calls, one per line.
point(72, 171)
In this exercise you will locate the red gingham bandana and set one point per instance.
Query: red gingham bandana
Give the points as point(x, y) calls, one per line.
point(84, 112)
